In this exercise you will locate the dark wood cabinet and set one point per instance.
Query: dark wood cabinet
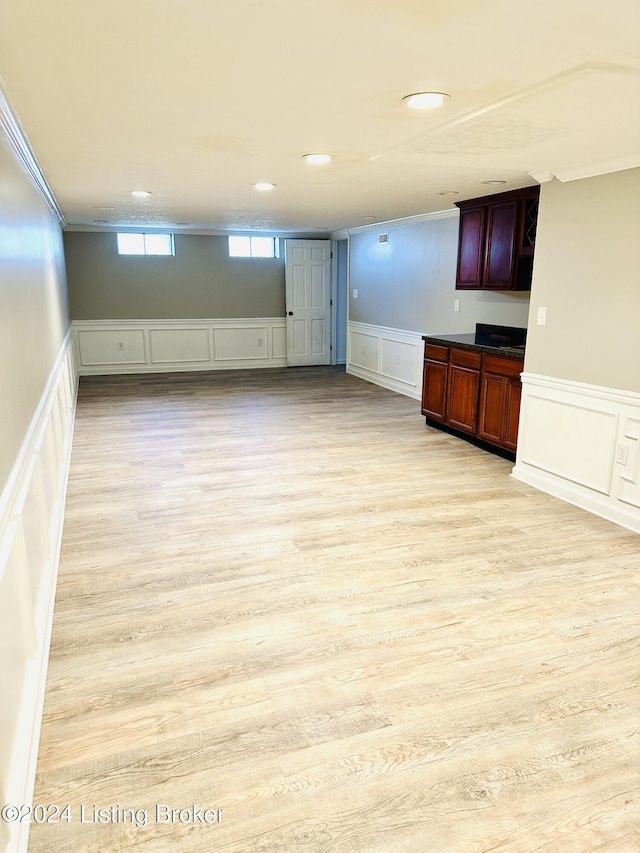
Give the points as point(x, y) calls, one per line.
point(499, 409)
point(462, 390)
point(434, 382)
point(500, 245)
point(470, 248)
point(497, 240)
point(473, 392)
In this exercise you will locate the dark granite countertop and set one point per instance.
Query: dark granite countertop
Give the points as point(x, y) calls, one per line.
point(467, 341)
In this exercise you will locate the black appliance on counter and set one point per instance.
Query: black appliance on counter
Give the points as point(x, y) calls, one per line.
point(504, 337)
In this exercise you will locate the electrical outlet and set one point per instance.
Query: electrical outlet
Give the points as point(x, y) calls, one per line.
point(622, 454)
point(456, 304)
point(355, 292)
point(542, 316)
point(260, 342)
point(397, 359)
point(120, 344)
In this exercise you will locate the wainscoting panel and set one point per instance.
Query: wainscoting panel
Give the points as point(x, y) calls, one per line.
point(111, 346)
point(167, 346)
point(629, 487)
point(161, 346)
point(388, 357)
point(240, 344)
point(581, 443)
point(31, 519)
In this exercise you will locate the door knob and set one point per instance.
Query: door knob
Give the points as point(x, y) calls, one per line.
point(291, 313)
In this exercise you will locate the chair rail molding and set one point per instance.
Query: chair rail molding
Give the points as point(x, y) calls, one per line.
point(581, 443)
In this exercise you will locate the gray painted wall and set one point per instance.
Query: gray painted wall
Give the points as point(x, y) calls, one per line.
point(342, 286)
point(33, 302)
point(409, 282)
point(200, 281)
point(587, 275)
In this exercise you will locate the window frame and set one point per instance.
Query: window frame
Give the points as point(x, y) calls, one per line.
point(144, 235)
point(275, 244)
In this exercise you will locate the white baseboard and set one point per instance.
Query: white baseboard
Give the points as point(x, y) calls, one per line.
point(570, 437)
point(388, 357)
point(164, 346)
point(31, 521)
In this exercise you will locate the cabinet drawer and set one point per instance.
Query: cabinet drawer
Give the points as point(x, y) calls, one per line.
point(465, 358)
point(436, 352)
point(512, 367)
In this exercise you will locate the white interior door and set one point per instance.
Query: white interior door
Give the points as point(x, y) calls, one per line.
point(308, 296)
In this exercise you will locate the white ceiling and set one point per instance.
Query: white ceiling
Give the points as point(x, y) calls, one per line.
point(196, 100)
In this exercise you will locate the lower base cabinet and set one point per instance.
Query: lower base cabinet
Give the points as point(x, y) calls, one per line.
point(462, 390)
point(499, 409)
point(474, 393)
point(434, 382)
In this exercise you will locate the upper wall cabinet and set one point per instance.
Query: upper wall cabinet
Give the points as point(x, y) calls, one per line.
point(496, 241)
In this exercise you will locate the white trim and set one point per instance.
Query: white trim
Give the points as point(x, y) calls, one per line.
point(590, 170)
point(178, 230)
point(600, 392)
point(19, 142)
point(386, 356)
point(406, 220)
point(127, 346)
point(31, 522)
point(567, 445)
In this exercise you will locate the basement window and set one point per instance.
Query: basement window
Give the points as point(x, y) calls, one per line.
point(146, 244)
point(253, 247)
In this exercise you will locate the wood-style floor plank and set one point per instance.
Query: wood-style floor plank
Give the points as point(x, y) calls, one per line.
point(283, 596)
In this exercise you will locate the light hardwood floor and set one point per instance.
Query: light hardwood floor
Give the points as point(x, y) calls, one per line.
point(282, 595)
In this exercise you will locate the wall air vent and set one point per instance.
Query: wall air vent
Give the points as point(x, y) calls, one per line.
point(383, 238)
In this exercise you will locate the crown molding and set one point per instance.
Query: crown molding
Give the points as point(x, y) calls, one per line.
point(18, 141)
point(406, 220)
point(591, 170)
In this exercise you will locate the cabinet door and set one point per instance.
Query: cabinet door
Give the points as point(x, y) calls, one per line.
point(499, 409)
point(501, 233)
point(512, 413)
point(462, 398)
point(470, 248)
point(434, 389)
point(491, 417)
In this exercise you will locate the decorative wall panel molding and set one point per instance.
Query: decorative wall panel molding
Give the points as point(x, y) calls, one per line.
point(31, 519)
point(162, 346)
point(388, 357)
point(581, 443)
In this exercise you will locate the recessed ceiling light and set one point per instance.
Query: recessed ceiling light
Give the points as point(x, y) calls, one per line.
point(450, 192)
point(140, 193)
point(317, 159)
point(101, 220)
point(264, 186)
point(425, 100)
point(101, 207)
point(491, 183)
point(370, 218)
